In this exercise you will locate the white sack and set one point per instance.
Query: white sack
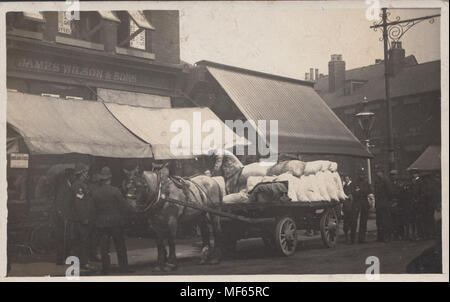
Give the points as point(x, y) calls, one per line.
point(320, 179)
point(312, 167)
point(333, 167)
point(240, 197)
point(301, 191)
point(255, 169)
point(332, 189)
point(338, 182)
point(312, 190)
point(295, 167)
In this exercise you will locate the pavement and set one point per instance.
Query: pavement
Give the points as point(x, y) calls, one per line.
point(141, 252)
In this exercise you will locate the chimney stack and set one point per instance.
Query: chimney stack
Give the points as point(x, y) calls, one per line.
point(311, 74)
point(336, 73)
point(396, 57)
point(317, 75)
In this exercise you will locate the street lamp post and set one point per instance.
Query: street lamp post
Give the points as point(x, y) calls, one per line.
point(365, 120)
point(393, 31)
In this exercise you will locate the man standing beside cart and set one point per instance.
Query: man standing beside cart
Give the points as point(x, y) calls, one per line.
point(383, 196)
point(84, 214)
point(62, 210)
point(360, 209)
point(348, 187)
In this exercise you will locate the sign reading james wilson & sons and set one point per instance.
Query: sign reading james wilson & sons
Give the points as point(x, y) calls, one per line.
point(68, 69)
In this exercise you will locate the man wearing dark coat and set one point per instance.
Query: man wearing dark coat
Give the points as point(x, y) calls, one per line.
point(348, 187)
point(360, 209)
point(383, 203)
point(110, 208)
point(83, 214)
point(62, 211)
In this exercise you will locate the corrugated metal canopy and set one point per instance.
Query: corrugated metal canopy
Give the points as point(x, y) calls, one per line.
point(305, 123)
point(429, 160)
point(161, 128)
point(56, 126)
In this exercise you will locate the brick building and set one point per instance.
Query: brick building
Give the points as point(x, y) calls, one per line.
point(125, 57)
point(415, 97)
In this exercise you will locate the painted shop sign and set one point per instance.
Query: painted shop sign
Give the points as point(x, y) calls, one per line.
point(41, 65)
point(19, 160)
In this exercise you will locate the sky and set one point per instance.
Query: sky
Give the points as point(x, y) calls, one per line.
point(290, 39)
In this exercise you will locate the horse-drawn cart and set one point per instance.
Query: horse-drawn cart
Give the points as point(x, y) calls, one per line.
point(276, 222)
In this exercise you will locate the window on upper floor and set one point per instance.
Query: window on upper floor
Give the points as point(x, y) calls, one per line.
point(85, 32)
point(25, 24)
point(134, 30)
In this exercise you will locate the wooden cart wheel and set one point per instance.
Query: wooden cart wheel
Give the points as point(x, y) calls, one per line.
point(329, 225)
point(286, 236)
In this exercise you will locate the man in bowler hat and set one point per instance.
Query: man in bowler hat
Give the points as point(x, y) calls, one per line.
point(110, 208)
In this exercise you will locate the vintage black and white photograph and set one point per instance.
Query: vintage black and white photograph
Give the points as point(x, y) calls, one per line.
point(224, 138)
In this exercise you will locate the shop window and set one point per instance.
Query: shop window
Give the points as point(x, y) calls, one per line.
point(61, 91)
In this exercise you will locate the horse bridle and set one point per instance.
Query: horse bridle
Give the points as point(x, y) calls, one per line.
point(151, 203)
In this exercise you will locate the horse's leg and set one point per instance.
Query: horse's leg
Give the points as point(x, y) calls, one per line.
point(173, 225)
point(159, 230)
point(217, 233)
point(206, 245)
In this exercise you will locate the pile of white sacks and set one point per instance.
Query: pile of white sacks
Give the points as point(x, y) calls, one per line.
point(307, 181)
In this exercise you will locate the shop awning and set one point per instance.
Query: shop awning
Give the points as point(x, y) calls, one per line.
point(305, 123)
point(429, 160)
point(56, 126)
point(166, 128)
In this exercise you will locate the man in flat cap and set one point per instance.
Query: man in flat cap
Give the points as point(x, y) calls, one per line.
point(110, 208)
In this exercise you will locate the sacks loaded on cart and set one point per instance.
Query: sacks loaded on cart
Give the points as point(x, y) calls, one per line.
point(299, 181)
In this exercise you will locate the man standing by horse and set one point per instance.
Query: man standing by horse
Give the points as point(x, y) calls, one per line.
point(83, 214)
point(62, 209)
point(110, 208)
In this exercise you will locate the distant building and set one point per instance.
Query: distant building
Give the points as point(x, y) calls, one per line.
point(415, 95)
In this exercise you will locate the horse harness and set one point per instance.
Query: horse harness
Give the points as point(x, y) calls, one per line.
point(180, 183)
